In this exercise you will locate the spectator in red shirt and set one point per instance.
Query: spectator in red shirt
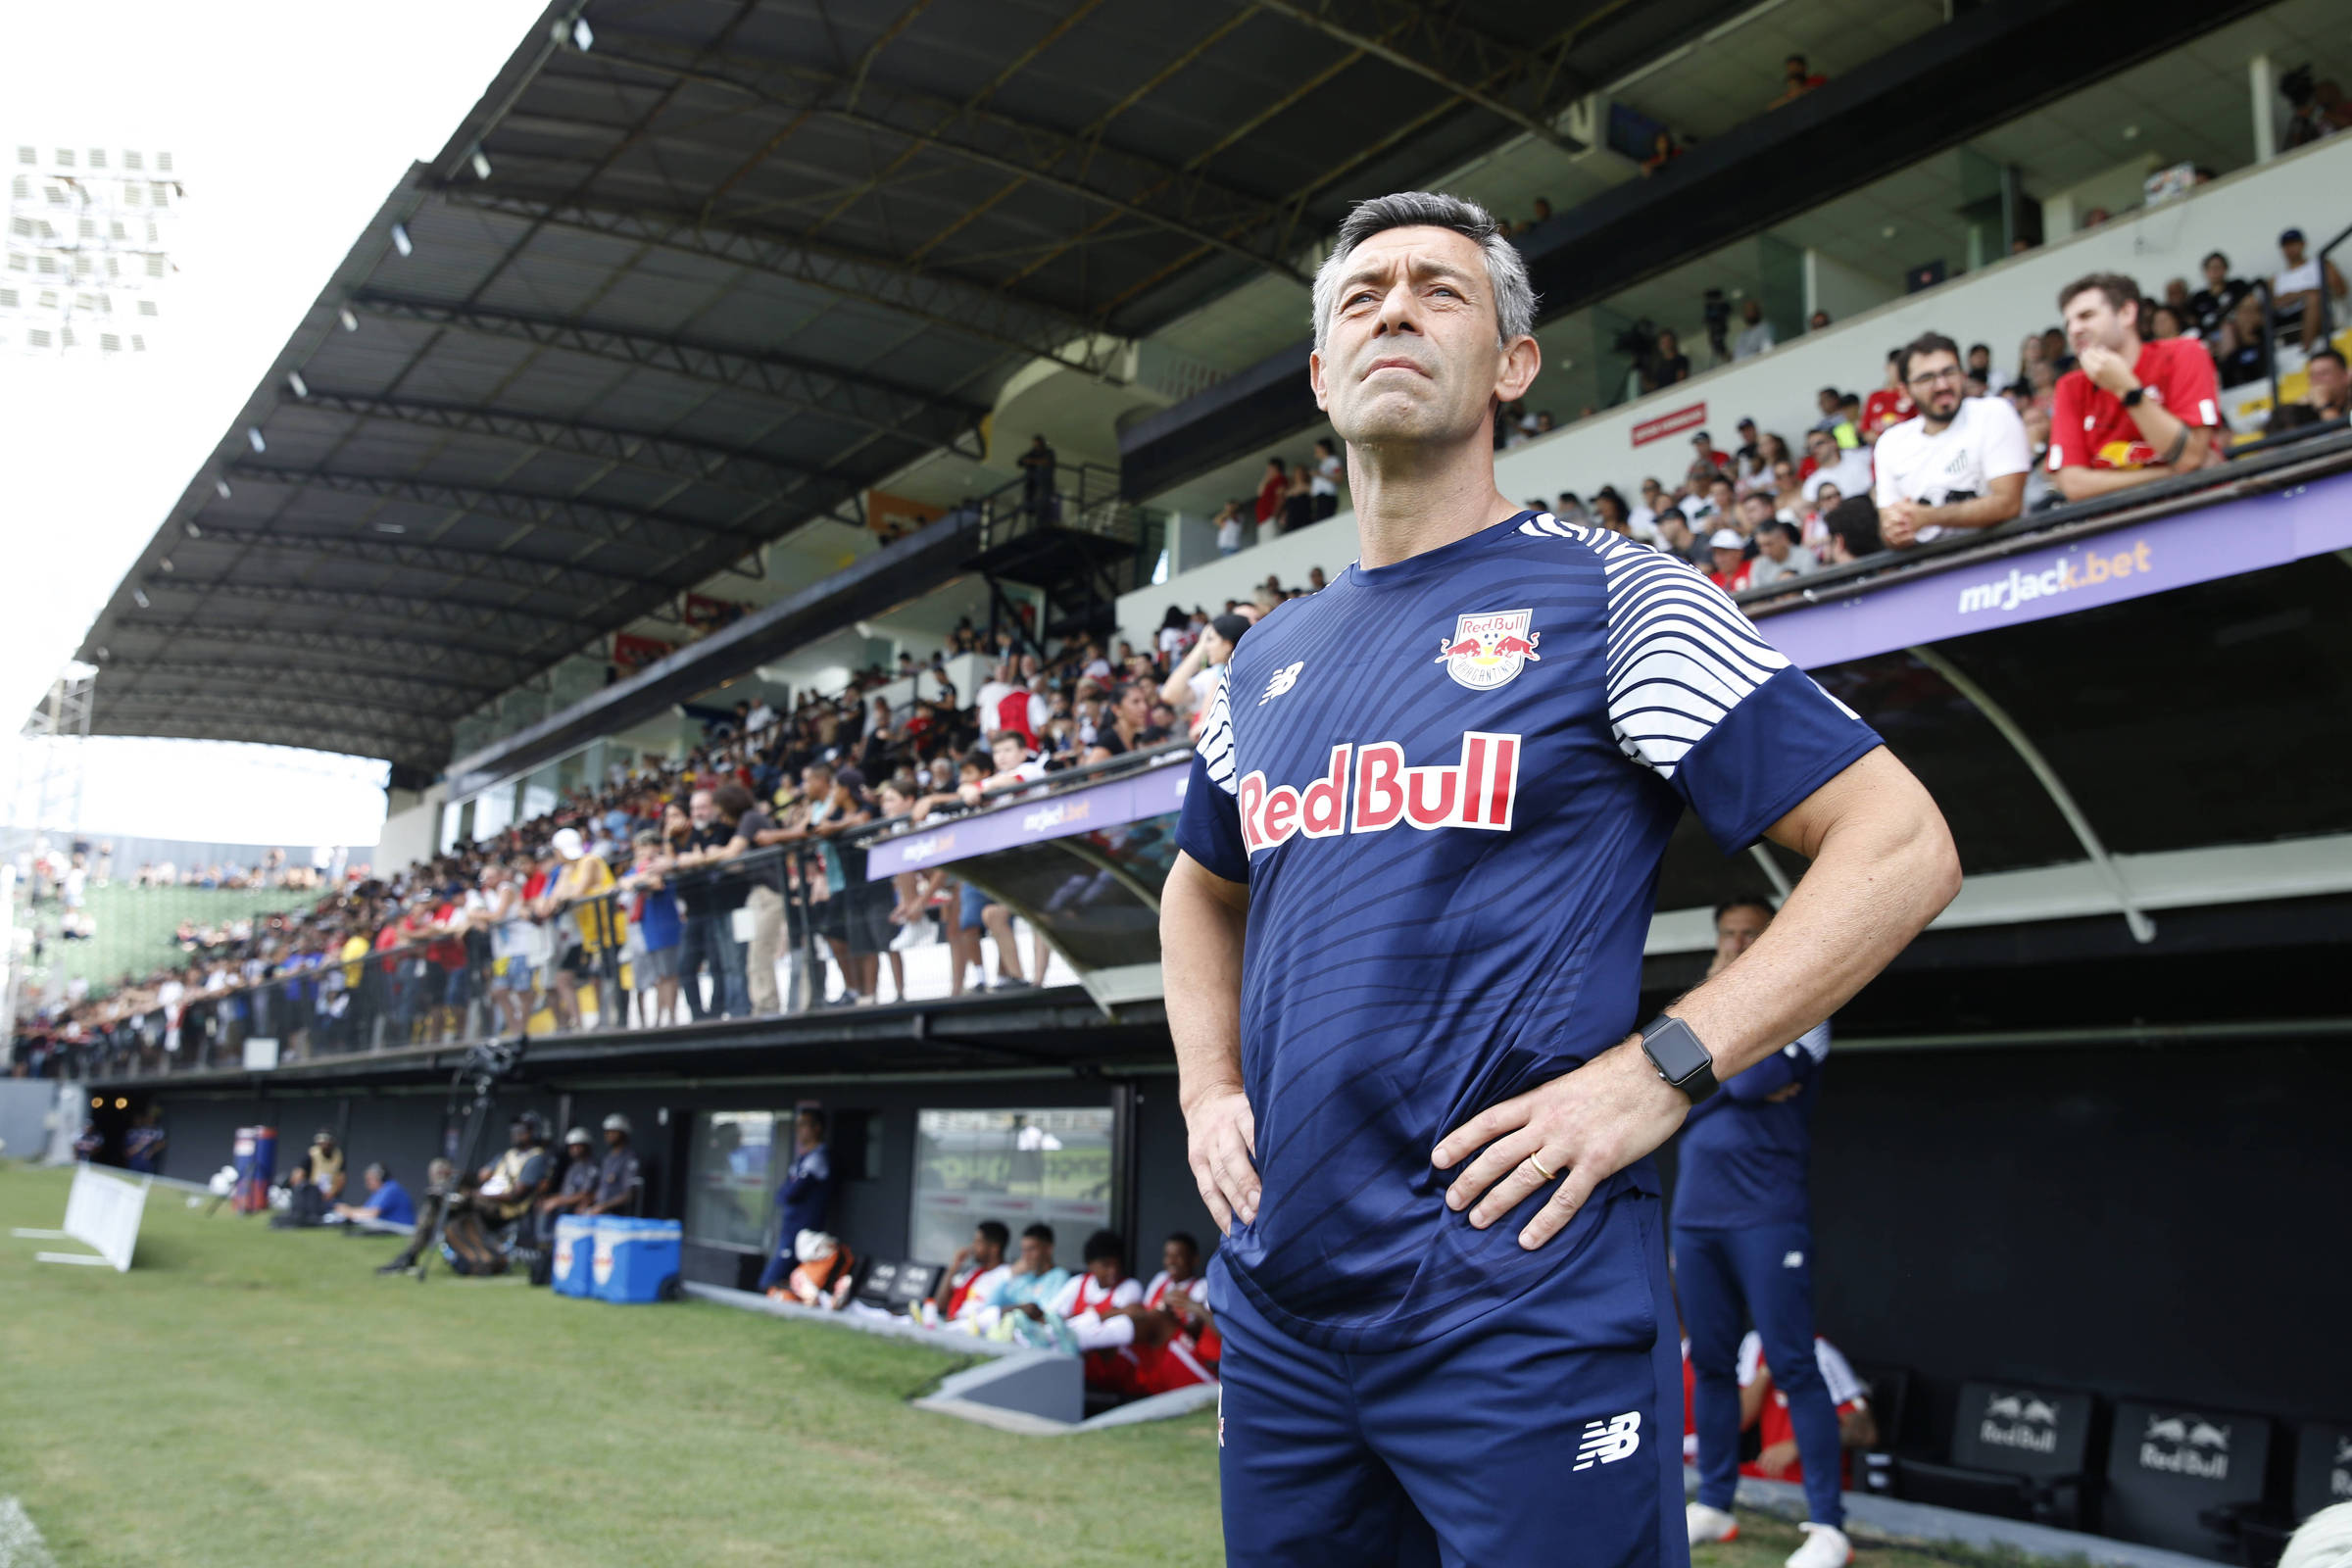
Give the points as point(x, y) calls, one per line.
point(1798, 79)
point(1729, 551)
point(2131, 412)
point(1704, 444)
point(1891, 405)
point(1270, 490)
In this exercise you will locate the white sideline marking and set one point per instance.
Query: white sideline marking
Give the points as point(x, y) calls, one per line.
point(20, 1543)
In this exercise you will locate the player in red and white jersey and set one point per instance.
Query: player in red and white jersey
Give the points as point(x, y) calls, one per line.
point(974, 1272)
point(1005, 703)
point(2136, 410)
point(1176, 1344)
point(1091, 1308)
point(1768, 1408)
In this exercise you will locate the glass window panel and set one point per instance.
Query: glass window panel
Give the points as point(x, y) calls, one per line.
point(730, 1190)
point(1021, 1167)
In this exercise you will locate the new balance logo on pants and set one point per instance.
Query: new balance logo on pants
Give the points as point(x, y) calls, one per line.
point(1606, 1441)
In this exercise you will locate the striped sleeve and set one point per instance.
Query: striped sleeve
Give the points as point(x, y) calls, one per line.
point(1680, 657)
point(1215, 745)
point(1209, 827)
point(1698, 697)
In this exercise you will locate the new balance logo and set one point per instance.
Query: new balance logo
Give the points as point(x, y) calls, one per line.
point(1609, 1441)
point(1284, 679)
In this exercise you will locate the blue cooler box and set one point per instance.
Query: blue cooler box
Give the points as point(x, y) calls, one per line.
point(636, 1259)
point(575, 1254)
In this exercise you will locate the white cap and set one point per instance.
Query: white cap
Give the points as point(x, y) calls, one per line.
point(1722, 539)
point(567, 843)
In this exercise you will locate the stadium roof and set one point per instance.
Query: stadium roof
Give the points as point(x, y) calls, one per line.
point(692, 274)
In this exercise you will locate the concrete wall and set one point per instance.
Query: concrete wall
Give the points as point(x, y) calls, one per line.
point(2240, 214)
point(411, 829)
point(1841, 290)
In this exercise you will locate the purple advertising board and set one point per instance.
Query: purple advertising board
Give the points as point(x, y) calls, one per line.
point(1153, 791)
point(2060, 579)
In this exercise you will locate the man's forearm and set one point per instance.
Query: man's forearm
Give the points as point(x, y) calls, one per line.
point(2006, 500)
point(2077, 483)
point(1883, 867)
point(1201, 931)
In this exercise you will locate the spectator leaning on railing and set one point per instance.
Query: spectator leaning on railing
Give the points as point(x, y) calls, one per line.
point(2131, 412)
point(1959, 464)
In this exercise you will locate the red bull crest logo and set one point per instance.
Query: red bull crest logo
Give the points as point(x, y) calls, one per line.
point(1488, 649)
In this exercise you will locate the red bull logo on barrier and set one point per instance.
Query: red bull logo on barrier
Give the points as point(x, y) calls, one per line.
point(1369, 789)
point(1488, 649)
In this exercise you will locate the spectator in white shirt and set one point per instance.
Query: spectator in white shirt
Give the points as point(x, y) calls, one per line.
point(1959, 464)
point(1756, 336)
point(1229, 530)
point(2300, 292)
point(1846, 467)
point(759, 717)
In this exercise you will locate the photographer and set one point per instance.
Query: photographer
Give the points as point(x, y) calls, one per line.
point(483, 1213)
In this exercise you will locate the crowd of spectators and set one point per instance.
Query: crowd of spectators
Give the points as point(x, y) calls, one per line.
point(641, 902)
point(1951, 440)
point(1291, 494)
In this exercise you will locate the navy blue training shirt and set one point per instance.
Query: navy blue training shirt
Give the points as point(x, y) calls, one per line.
point(1449, 783)
point(1742, 1159)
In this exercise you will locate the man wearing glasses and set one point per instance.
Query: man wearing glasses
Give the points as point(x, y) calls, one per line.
point(1960, 464)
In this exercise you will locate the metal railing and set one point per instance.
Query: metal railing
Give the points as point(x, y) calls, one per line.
point(785, 928)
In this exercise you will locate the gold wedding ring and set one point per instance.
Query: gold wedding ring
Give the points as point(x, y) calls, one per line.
point(1548, 1175)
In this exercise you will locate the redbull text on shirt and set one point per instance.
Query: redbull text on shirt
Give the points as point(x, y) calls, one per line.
point(1369, 789)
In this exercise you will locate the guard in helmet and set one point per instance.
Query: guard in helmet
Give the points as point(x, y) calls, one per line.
point(621, 1178)
point(577, 1188)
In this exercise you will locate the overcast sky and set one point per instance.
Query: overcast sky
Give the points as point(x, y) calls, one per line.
point(288, 121)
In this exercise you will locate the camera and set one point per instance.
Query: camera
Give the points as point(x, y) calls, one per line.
point(2295, 86)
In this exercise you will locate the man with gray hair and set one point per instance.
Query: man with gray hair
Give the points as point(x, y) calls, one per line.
point(1402, 943)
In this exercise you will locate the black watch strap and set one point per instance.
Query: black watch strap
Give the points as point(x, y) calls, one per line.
point(1679, 1055)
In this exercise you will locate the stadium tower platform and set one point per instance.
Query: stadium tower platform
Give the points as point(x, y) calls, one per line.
point(640, 343)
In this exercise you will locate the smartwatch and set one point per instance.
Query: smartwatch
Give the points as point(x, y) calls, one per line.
point(1679, 1057)
point(2131, 399)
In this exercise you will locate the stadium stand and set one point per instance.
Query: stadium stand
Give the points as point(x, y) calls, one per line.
point(884, 833)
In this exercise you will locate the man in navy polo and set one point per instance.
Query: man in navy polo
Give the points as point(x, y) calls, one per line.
point(805, 1193)
point(1402, 948)
point(1742, 1249)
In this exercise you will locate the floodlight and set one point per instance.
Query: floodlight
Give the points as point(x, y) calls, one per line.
point(301, 387)
point(400, 240)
